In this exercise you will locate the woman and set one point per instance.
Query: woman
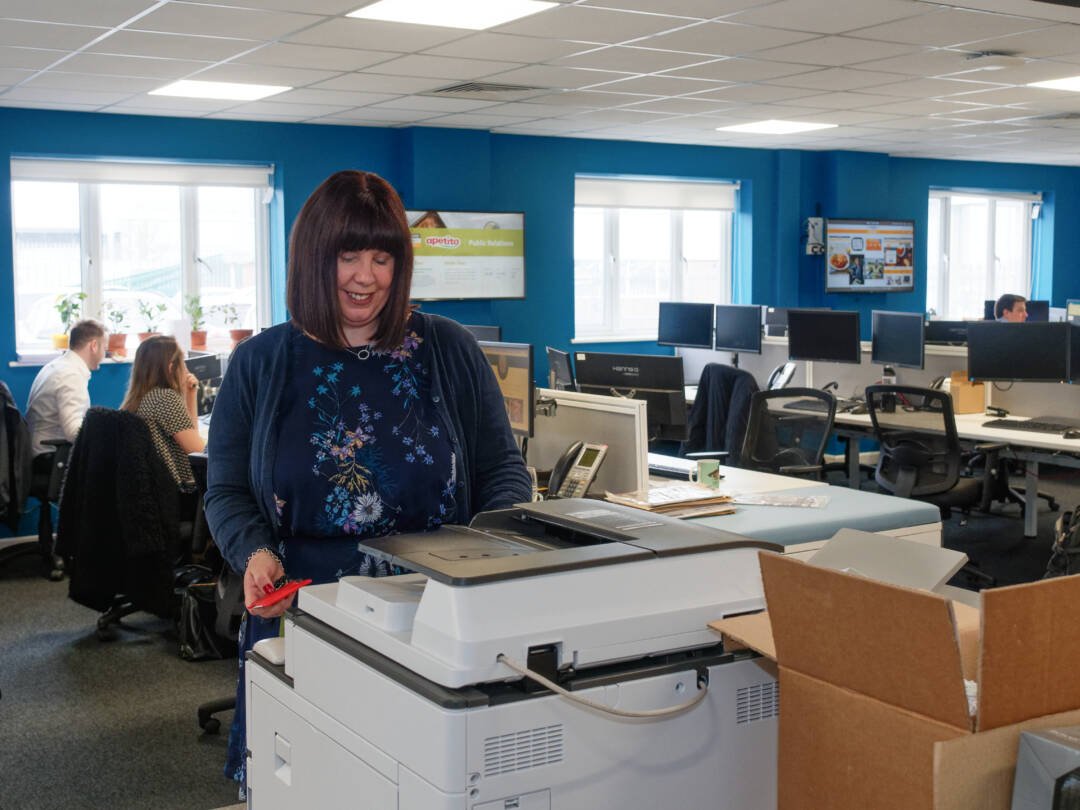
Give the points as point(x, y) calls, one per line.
point(162, 392)
point(358, 418)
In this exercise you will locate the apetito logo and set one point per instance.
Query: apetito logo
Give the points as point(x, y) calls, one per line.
point(449, 242)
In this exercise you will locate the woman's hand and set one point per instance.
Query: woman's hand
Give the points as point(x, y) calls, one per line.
point(263, 570)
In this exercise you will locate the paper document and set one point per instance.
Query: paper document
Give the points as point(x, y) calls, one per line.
point(669, 497)
point(804, 501)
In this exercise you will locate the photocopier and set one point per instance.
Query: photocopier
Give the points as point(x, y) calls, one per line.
point(407, 692)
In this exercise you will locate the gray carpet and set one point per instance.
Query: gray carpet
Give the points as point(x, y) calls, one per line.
point(87, 724)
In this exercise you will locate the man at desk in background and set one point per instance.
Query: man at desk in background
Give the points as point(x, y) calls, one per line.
point(60, 395)
point(1011, 309)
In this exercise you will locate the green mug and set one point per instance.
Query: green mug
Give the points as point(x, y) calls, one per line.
point(707, 473)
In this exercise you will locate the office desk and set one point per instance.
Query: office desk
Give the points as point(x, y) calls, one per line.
point(737, 480)
point(1029, 447)
point(801, 530)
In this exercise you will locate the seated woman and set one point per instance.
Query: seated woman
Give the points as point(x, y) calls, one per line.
point(162, 392)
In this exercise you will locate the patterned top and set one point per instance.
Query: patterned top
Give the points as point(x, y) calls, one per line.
point(165, 413)
point(361, 450)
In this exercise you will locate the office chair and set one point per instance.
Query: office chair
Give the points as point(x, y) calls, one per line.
point(780, 438)
point(920, 455)
point(716, 424)
point(120, 532)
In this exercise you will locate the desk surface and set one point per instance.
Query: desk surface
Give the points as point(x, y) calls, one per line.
point(737, 480)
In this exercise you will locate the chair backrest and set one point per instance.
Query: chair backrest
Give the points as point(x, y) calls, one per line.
point(788, 430)
point(721, 410)
point(16, 461)
point(920, 449)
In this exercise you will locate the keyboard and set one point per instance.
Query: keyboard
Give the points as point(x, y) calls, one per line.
point(1031, 425)
point(670, 466)
point(818, 406)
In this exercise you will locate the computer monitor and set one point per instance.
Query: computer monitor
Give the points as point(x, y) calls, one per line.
point(947, 333)
point(685, 324)
point(203, 365)
point(618, 422)
point(896, 338)
point(738, 329)
point(830, 336)
point(775, 320)
point(1072, 310)
point(512, 364)
point(489, 333)
point(1037, 310)
point(560, 372)
point(655, 378)
point(1021, 352)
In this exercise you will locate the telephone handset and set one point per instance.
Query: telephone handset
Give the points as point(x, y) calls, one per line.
point(781, 376)
point(938, 383)
point(575, 470)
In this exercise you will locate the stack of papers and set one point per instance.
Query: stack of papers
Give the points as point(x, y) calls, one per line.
point(677, 500)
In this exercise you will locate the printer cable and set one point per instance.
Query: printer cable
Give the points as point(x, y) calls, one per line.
point(521, 669)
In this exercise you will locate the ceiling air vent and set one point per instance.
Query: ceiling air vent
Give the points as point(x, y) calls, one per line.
point(488, 90)
point(1069, 3)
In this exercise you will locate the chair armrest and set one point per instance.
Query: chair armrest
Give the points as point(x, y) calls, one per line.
point(59, 466)
point(707, 454)
point(801, 469)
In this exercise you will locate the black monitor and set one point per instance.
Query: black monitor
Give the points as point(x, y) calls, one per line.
point(896, 338)
point(204, 366)
point(947, 333)
point(829, 335)
point(1072, 310)
point(685, 324)
point(560, 372)
point(489, 333)
point(738, 329)
point(655, 378)
point(512, 364)
point(1021, 352)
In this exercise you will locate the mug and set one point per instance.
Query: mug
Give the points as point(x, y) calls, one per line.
point(707, 473)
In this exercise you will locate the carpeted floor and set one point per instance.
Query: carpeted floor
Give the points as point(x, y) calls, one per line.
point(87, 724)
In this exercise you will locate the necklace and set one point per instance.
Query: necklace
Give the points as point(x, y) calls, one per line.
point(363, 353)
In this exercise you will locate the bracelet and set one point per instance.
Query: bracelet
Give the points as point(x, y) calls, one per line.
point(264, 550)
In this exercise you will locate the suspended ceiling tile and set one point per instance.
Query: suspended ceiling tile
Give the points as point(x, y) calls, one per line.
point(592, 99)
point(741, 70)
point(584, 23)
point(373, 83)
point(835, 51)
point(845, 101)
point(948, 27)
point(193, 105)
point(659, 85)
point(509, 48)
point(933, 88)
point(28, 58)
point(432, 104)
point(920, 107)
point(54, 96)
point(47, 105)
point(839, 78)
point(293, 110)
point(347, 32)
point(921, 62)
point(703, 9)
point(130, 66)
point(287, 54)
point(330, 7)
point(84, 81)
point(222, 21)
point(346, 98)
point(441, 67)
point(372, 115)
point(724, 39)
point(682, 106)
point(481, 120)
point(262, 74)
point(12, 76)
point(755, 93)
point(631, 59)
point(99, 12)
point(555, 77)
point(827, 16)
point(47, 35)
point(171, 46)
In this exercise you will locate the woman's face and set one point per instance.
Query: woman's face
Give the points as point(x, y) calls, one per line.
point(364, 278)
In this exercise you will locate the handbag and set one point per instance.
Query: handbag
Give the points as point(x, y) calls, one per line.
point(197, 637)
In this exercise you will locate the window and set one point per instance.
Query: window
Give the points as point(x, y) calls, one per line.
point(978, 248)
point(131, 234)
point(640, 242)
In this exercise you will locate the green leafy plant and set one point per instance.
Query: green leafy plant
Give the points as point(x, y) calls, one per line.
point(115, 315)
point(194, 310)
point(69, 307)
point(151, 313)
point(228, 313)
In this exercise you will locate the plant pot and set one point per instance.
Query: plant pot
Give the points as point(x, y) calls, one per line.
point(118, 344)
point(239, 334)
point(198, 338)
point(60, 341)
point(144, 335)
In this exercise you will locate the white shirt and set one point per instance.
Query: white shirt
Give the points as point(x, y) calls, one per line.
point(58, 401)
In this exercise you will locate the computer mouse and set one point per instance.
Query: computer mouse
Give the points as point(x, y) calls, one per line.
point(1071, 433)
point(858, 409)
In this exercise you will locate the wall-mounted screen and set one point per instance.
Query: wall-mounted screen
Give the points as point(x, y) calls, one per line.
point(467, 254)
point(865, 255)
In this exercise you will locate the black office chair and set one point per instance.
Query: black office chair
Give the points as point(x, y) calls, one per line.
point(784, 438)
point(120, 531)
point(716, 424)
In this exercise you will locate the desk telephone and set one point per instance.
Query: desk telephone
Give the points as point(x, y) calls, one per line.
point(575, 470)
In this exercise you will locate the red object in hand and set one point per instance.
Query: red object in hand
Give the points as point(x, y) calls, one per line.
point(286, 590)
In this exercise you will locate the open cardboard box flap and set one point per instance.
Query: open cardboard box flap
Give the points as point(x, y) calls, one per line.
point(912, 649)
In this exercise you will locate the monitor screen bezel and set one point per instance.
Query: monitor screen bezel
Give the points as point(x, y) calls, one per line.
point(687, 305)
point(1048, 326)
point(758, 315)
point(878, 314)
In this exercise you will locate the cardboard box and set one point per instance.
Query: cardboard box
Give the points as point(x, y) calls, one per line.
point(967, 397)
point(873, 710)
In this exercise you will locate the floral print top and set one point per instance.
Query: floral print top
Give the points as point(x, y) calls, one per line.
point(361, 451)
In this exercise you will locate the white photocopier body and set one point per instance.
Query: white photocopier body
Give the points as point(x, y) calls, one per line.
point(391, 695)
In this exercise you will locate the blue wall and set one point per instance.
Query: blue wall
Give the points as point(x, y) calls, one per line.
point(468, 169)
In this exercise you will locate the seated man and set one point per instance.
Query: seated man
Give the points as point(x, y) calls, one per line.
point(60, 395)
point(1011, 309)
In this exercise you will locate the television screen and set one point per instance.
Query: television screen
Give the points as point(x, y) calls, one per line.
point(869, 255)
point(685, 324)
point(467, 254)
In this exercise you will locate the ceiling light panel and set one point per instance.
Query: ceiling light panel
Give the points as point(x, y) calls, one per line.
point(472, 14)
point(1070, 83)
point(775, 127)
point(219, 90)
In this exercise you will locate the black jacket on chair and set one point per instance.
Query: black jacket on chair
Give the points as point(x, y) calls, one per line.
point(720, 412)
point(119, 528)
point(16, 460)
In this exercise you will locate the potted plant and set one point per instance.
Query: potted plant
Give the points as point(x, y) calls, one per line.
point(68, 306)
point(231, 318)
point(151, 313)
point(193, 309)
point(114, 314)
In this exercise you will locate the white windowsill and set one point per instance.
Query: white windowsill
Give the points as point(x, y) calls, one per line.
point(613, 339)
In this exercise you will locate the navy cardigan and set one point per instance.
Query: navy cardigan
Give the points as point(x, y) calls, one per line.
point(239, 496)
